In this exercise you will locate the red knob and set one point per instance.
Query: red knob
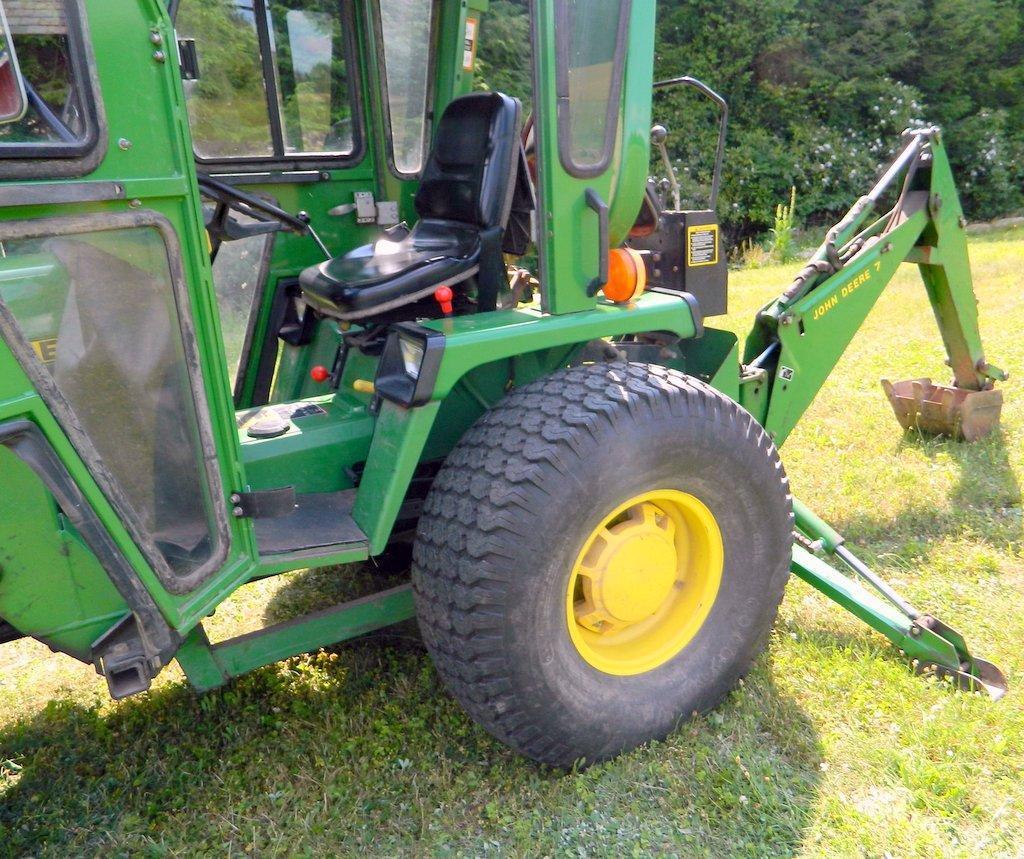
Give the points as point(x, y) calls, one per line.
point(319, 374)
point(443, 295)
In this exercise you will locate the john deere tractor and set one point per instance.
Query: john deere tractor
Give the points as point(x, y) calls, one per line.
point(279, 290)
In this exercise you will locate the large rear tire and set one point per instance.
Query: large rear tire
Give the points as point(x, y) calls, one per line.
point(602, 555)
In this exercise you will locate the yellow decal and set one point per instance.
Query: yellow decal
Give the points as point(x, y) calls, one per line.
point(847, 290)
point(469, 46)
point(46, 350)
point(702, 245)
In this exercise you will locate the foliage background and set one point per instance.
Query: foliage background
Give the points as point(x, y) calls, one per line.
point(820, 91)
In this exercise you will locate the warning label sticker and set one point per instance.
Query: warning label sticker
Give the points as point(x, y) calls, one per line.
point(702, 245)
point(469, 49)
point(46, 350)
point(286, 412)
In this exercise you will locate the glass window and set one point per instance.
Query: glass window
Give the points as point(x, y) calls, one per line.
point(227, 105)
point(59, 119)
point(239, 277)
point(406, 27)
point(313, 90)
point(591, 40)
point(303, 105)
point(12, 91)
point(99, 310)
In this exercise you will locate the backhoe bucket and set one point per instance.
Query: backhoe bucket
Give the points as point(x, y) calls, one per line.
point(943, 410)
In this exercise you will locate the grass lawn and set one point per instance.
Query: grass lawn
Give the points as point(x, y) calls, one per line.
point(830, 747)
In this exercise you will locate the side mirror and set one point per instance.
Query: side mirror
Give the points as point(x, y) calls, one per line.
point(13, 101)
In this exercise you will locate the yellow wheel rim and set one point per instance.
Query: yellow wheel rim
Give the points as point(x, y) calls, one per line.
point(644, 582)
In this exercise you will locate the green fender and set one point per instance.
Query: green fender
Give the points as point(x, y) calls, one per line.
point(471, 343)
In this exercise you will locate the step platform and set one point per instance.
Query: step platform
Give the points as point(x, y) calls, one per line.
point(320, 521)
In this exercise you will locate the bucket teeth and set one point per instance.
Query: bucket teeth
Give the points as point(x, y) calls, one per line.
point(944, 410)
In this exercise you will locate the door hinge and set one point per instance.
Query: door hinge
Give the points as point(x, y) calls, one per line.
point(268, 504)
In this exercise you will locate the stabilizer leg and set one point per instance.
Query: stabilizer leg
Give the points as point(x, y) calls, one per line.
point(932, 646)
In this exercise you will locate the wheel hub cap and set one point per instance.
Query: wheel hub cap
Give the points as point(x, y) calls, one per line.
point(644, 582)
point(630, 570)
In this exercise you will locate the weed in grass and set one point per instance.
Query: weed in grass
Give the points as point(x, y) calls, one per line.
point(781, 250)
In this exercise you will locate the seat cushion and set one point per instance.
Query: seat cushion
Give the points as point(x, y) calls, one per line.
point(397, 269)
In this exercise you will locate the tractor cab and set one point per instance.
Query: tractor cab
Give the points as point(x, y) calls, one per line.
point(265, 261)
point(329, 112)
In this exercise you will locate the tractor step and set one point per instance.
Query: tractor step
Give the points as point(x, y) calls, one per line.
point(944, 410)
point(320, 521)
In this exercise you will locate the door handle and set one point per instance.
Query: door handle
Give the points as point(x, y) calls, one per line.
point(600, 207)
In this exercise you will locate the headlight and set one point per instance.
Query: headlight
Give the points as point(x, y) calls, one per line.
point(412, 355)
point(409, 364)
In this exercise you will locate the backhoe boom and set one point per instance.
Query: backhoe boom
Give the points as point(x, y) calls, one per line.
point(798, 338)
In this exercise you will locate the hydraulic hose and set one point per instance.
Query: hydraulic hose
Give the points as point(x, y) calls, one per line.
point(829, 259)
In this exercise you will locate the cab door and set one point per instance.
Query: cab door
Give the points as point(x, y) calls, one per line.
point(594, 63)
point(276, 93)
point(108, 340)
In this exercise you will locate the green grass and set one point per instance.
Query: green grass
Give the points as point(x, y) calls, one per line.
point(830, 747)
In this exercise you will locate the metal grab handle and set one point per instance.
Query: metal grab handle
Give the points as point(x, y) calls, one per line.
point(723, 125)
point(600, 207)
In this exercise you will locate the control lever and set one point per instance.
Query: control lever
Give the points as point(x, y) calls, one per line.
point(304, 217)
point(658, 136)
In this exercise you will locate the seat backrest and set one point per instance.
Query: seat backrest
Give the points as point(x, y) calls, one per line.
point(470, 174)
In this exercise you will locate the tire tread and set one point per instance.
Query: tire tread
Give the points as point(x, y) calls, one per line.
point(498, 469)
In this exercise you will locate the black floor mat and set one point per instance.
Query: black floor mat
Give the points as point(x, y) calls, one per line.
point(320, 520)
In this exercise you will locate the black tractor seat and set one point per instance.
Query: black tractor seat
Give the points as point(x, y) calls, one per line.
point(401, 267)
point(463, 202)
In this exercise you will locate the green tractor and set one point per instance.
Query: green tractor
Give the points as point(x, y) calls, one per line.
point(225, 354)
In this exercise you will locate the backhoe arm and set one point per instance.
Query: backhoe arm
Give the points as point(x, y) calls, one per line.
point(799, 337)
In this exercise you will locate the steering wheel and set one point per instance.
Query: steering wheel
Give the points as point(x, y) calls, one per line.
point(266, 217)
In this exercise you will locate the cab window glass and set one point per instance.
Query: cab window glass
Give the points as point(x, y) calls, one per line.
point(406, 28)
point(239, 278)
point(12, 92)
point(310, 59)
point(591, 39)
point(100, 310)
point(227, 104)
point(303, 106)
point(58, 116)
